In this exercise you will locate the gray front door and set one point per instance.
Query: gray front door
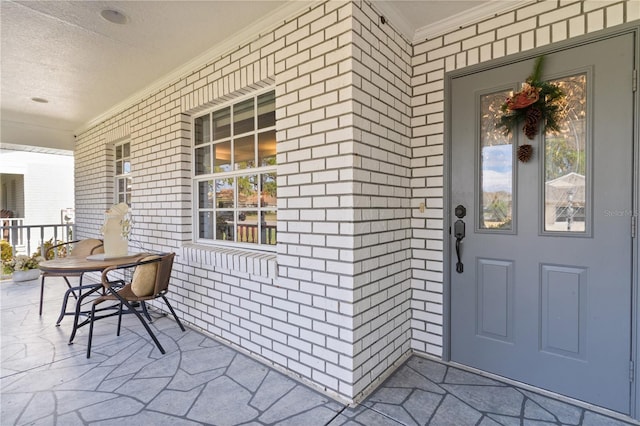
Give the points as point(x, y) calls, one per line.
point(544, 296)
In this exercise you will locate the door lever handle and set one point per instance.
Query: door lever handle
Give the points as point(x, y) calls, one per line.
point(459, 233)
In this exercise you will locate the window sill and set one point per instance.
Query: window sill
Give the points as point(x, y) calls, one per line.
point(232, 259)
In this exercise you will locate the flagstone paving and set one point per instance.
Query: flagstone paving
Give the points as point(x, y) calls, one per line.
point(201, 381)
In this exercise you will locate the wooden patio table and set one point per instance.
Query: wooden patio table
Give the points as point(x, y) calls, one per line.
point(93, 263)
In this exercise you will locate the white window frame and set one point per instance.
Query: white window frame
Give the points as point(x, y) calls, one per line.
point(124, 175)
point(233, 173)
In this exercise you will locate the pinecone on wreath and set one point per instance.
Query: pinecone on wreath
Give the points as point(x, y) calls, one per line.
point(532, 122)
point(525, 152)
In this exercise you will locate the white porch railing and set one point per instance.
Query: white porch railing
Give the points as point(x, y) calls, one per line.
point(25, 239)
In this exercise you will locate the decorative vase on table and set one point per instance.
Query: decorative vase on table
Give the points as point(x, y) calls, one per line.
point(28, 275)
point(116, 231)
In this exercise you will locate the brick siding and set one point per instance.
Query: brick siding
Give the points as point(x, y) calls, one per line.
point(356, 282)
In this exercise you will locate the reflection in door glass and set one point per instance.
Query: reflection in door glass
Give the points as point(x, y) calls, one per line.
point(496, 166)
point(565, 161)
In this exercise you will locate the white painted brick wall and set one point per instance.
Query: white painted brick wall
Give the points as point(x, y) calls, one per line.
point(230, 293)
point(356, 282)
point(383, 143)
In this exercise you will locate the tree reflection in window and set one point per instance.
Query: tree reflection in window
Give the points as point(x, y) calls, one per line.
point(565, 160)
point(496, 166)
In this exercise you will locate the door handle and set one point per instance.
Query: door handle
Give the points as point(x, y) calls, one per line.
point(459, 233)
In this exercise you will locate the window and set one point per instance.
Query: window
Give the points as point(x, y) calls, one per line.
point(123, 173)
point(496, 167)
point(235, 172)
point(566, 171)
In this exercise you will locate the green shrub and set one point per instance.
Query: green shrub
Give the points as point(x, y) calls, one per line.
point(7, 251)
point(7, 254)
point(62, 251)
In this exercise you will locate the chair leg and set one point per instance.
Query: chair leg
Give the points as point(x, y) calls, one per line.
point(146, 312)
point(144, 323)
point(80, 286)
point(166, 301)
point(63, 310)
point(93, 312)
point(71, 287)
point(77, 313)
point(119, 318)
point(65, 301)
point(41, 293)
point(66, 295)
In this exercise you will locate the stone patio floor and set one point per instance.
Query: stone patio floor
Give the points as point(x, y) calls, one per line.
point(201, 381)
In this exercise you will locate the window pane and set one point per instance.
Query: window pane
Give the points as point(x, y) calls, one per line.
point(496, 166)
point(222, 153)
point(224, 226)
point(268, 227)
point(202, 129)
point(224, 193)
point(267, 110)
point(248, 227)
point(203, 160)
point(221, 124)
point(205, 194)
point(244, 152)
point(243, 117)
point(122, 165)
point(267, 148)
point(243, 207)
point(268, 197)
point(247, 191)
point(565, 157)
point(205, 225)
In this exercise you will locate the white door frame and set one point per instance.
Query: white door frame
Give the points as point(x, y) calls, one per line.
point(632, 28)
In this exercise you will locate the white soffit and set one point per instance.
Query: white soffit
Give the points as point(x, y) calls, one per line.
point(471, 16)
point(268, 23)
point(419, 20)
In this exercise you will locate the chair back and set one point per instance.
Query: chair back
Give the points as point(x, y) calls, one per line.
point(163, 274)
point(151, 276)
point(84, 248)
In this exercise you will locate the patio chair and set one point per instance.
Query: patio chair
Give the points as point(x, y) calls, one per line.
point(77, 248)
point(150, 281)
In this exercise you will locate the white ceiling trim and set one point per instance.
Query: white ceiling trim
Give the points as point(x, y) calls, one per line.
point(266, 24)
point(394, 18)
point(468, 17)
point(30, 148)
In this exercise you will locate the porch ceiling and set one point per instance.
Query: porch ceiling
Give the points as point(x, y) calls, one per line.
point(67, 53)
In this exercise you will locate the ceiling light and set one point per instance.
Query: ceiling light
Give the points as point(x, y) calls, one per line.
point(114, 16)
point(40, 100)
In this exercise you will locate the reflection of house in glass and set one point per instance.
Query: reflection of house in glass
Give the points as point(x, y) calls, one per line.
point(255, 219)
point(224, 198)
point(565, 203)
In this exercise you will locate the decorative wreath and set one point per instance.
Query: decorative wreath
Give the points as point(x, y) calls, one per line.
point(537, 102)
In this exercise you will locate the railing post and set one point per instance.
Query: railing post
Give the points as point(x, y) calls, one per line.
point(13, 234)
point(28, 241)
point(41, 238)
